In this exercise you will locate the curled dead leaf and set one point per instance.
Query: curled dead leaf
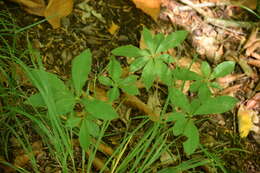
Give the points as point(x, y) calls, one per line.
point(57, 9)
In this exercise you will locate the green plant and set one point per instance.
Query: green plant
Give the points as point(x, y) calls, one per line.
point(204, 103)
point(61, 100)
point(128, 84)
point(152, 60)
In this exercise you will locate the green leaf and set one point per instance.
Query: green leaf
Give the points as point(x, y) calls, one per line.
point(204, 93)
point(196, 85)
point(113, 94)
point(73, 121)
point(138, 63)
point(93, 128)
point(55, 88)
point(166, 76)
point(130, 89)
point(179, 99)
point(105, 80)
point(192, 133)
point(216, 105)
point(180, 123)
point(157, 40)
point(185, 74)
point(205, 68)
point(223, 69)
point(148, 39)
point(148, 74)
point(114, 69)
point(100, 109)
point(166, 58)
point(172, 40)
point(81, 66)
point(84, 136)
point(36, 100)
point(128, 51)
point(64, 101)
point(129, 80)
point(160, 67)
point(47, 81)
point(195, 104)
point(215, 85)
point(163, 72)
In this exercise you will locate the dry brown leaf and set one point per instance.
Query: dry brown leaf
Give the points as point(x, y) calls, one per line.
point(150, 7)
point(35, 7)
point(57, 9)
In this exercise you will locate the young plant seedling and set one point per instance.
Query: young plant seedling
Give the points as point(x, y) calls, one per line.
point(204, 103)
point(127, 85)
point(64, 100)
point(152, 59)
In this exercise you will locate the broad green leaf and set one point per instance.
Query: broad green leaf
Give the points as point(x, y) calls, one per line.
point(113, 94)
point(160, 67)
point(105, 80)
point(129, 80)
point(138, 63)
point(100, 109)
point(148, 74)
point(166, 76)
point(114, 69)
point(64, 101)
point(163, 72)
point(195, 104)
point(128, 51)
point(172, 40)
point(215, 85)
point(81, 66)
point(185, 74)
point(157, 40)
point(148, 39)
point(192, 133)
point(166, 58)
point(223, 69)
point(47, 81)
point(84, 136)
point(130, 89)
point(204, 93)
point(179, 99)
point(205, 68)
point(216, 105)
point(93, 128)
point(179, 126)
point(55, 88)
point(73, 121)
point(36, 100)
point(196, 85)
point(180, 122)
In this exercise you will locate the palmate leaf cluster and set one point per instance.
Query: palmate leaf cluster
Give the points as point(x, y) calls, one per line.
point(153, 63)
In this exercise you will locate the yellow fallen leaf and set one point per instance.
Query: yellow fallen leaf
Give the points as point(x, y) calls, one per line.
point(150, 7)
point(245, 122)
point(57, 9)
point(113, 28)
